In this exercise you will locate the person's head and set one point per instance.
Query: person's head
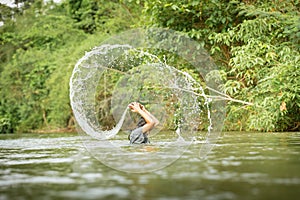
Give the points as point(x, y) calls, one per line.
point(141, 122)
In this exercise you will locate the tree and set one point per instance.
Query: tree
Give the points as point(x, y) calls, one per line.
point(255, 44)
point(31, 59)
point(39, 49)
point(102, 15)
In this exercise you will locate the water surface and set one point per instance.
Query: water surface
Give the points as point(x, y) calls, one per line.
point(241, 166)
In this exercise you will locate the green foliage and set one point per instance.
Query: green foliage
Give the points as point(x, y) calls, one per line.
point(35, 72)
point(6, 13)
point(254, 43)
point(196, 18)
point(102, 15)
point(5, 125)
point(264, 66)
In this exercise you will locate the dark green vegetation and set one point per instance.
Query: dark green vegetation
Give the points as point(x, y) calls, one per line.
point(255, 43)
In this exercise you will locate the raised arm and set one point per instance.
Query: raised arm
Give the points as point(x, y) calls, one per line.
point(156, 122)
point(151, 121)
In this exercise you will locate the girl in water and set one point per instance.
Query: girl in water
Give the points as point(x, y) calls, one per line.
point(145, 124)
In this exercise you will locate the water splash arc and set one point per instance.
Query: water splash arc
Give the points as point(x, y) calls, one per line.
point(179, 87)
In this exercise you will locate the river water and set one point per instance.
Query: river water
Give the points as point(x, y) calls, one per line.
point(241, 166)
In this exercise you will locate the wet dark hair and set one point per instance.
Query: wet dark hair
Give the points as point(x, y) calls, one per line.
point(141, 122)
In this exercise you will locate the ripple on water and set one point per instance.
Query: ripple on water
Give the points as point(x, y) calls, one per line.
point(15, 179)
point(95, 193)
point(63, 173)
point(37, 161)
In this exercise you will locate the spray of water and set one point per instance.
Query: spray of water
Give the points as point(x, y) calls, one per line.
point(136, 74)
point(168, 79)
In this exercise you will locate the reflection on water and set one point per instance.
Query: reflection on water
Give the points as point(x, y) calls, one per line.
point(241, 166)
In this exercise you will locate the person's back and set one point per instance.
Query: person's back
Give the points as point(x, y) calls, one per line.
point(137, 136)
point(146, 123)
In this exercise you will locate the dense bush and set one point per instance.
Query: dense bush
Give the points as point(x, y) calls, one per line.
point(254, 43)
point(256, 46)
